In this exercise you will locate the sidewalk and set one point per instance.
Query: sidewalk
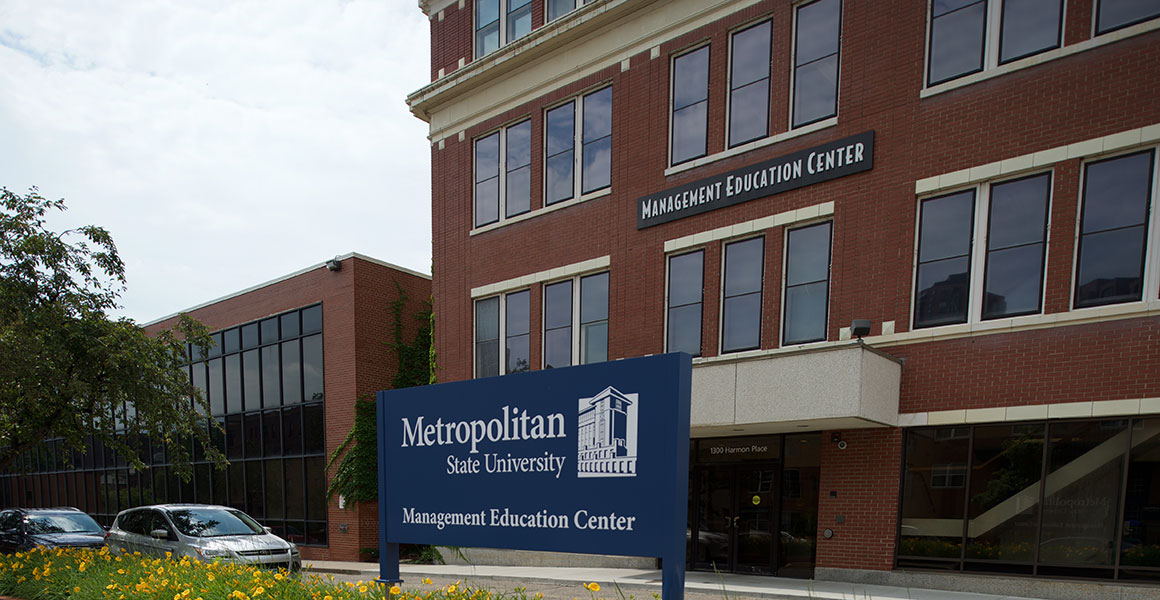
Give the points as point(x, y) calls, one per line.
point(643, 583)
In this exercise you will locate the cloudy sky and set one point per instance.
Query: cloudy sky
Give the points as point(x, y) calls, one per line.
point(222, 143)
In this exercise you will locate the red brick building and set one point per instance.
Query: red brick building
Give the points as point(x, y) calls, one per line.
point(290, 358)
point(746, 181)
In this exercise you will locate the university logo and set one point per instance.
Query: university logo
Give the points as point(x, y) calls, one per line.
point(607, 435)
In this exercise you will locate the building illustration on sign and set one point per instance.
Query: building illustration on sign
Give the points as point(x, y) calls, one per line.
point(606, 437)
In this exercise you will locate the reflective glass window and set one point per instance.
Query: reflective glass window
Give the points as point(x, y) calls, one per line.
point(519, 19)
point(233, 384)
point(289, 322)
point(596, 151)
point(252, 379)
point(312, 319)
point(932, 493)
point(594, 318)
point(275, 504)
point(944, 250)
point(1016, 247)
point(312, 368)
point(291, 373)
point(741, 312)
point(557, 8)
point(313, 428)
point(486, 27)
point(558, 324)
point(487, 180)
point(271, 378)
point(487, 337)
point(216, 387)
point(1115, 14)
point(684, 303)
point(1114, 230)
point(560, 127)
point(957, 38)
point(1029, 27)
point(690, 122)
point(517, 321)
point(1003, 511)
point(817, 41)
point(807, 283)
point(749, 84)
point(1141, 537)
point(518, 155)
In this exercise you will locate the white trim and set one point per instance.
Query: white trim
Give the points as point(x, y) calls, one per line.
point(381, 263)
point(1034, 412)
point(789, 217)
point(746, 147)
point(1093, 147)
point(600, 193)
point(515, 283)
point(1034, 60)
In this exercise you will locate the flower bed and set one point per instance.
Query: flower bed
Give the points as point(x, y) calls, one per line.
point(74, 574)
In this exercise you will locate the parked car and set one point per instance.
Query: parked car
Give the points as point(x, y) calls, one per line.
point(26, 528)
point(202, 532)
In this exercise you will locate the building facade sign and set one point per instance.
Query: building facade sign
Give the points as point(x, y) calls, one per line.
point(590, 459)
point(790, 172)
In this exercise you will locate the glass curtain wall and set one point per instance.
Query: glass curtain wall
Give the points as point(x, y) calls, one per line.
point(264, 383)
point(1060, 499)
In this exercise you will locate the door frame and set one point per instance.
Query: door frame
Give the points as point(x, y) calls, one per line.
point(735, 473)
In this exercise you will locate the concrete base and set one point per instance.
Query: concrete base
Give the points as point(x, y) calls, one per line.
point(523, 558)
point(1030, 587)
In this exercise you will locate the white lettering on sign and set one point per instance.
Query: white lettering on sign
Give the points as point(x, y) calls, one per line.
point(512, 425)
point(504, 517)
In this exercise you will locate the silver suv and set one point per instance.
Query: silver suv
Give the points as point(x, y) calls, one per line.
point(203, 532)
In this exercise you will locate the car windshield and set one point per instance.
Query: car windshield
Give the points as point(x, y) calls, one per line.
point(214, 522)
point(61, 523)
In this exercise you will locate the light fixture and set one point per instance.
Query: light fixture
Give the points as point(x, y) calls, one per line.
point(860, 327)
point(334, 264)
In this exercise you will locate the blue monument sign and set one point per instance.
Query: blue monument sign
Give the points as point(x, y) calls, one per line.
point(591, 459)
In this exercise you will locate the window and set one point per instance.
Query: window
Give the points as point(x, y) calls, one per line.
point(683, 318)
point(1114, 230)
point(487, 337)
point(807, 283)
point(1116, 14)
point(749, 84)
point(503, 173)
point(741, 307)
point(817, 41)
point(517, 315)
point(558, 8)
point(495, 27)
point(594, 130)
point(956, 282)
point(967, 36)
point(561, 320)
point(514, 330)
point(690, 120)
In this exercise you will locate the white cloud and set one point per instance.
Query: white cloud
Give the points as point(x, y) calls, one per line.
point(223, 144)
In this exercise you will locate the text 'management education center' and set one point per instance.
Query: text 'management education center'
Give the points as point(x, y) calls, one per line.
point(291, 357)
point(742, 180)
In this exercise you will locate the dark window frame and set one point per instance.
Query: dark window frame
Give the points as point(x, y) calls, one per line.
point(785, 316)
point(794, 68)
point(700, 303)
point(504, 169)
point(725, 297)
point(674, 109)
point(768, 79)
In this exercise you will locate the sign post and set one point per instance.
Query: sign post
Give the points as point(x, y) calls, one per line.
point(591, 459)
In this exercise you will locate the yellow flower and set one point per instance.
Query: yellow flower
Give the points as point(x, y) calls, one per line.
point(427, 580)
point(396, 590)
point(82, 567)
point(328, 597)
point(362, 589)
point(593, 587)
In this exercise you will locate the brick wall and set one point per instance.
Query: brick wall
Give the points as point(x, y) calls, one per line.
point(357, 323)
point(863, 479)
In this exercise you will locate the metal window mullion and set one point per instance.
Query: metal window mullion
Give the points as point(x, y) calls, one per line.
point(1042, 493)
point(501, 184)
point(978, 252)
point(967, 498)
point(501, 341)
point(1127, 463)
point(578, 147)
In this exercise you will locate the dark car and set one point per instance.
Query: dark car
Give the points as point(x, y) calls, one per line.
point(26, 528)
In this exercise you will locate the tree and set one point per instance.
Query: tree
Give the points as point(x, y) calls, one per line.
point(67, 369)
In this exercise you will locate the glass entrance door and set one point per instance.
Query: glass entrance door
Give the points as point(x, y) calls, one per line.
point(737, 517)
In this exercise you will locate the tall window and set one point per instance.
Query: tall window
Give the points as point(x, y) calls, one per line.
point(594, 130)
point(503, 173)
point(517, 320)
point(944, 259)
point(741, 312)
point(576, 305)
point(749, 84)
point(683, 319)
point(807, 283)
point(487, 337)
point(496, 24)
point(1016, 246)
point(817, 41)
point(1114, 229)
point(961, 43)
point(690, 119)
point(1116, 14)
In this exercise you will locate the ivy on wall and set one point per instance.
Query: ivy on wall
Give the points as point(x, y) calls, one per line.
point(355, 462)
